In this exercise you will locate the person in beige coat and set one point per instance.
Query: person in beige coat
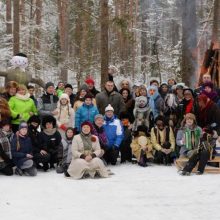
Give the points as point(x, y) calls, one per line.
point(86, 150)
point(142, 147)
point(64, 114)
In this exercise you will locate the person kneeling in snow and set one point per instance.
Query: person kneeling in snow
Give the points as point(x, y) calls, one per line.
point(21, 149)
point(86, 150)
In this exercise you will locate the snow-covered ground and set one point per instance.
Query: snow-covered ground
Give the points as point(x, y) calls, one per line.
point(152, 193)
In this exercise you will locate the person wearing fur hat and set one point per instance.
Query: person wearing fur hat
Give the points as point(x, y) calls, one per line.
point(115, 134)
point(67, 150)
point(99, 131)
point(86, 112)
point(47, 103)
point(189, 138)
point(142, 147)
point(91, 86)
point(142, 113)
point(65, 115)
point(50, 145)
point(163, 140)
point(10, 90)
point(69, 91)
point(109, 96)
point(125, 149)
point(21, 107)
point(86, 151)
point(163, 90)
point(6, 134)
point(155, 101)
point(22, 152)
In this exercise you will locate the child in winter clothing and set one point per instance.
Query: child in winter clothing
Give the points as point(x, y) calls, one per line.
point(67, 151)
point(6, 163)
point(51, 144)
point(22, 152)
point(65, 115)
point(142, 147)
point(163, 141)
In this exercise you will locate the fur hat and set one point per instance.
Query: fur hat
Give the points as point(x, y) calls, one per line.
point(23, 124)
point(34, 118)
point(109, 108)
point(50, 119)
point(48, 84)
point(87, 123)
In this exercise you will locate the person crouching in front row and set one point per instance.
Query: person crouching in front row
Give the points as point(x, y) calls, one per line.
point(86, 150)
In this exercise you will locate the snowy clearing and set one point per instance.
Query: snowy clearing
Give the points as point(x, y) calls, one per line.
point(155, 192)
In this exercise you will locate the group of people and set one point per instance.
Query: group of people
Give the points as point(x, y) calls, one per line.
point(80, 134)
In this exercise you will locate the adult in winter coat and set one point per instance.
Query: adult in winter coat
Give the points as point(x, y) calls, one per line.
point(163, 141)
point(10, 90)
point(189, 138)
point(47, 103)
point(142, 147)
point(109, 96)
point(99, 131)
point(64, 114)
point(21, 107)
point(86, 112)
point(5, 148)
point(69, 91)
point(115, 134)
point(50, 145)
point(22, 152)
point(155, 101)
point(86, 151)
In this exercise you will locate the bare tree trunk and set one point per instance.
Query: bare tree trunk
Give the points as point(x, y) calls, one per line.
point(216, 25)
point(38, 23)
point(8, 17)
point(189, 42)
point(104, 41)
point(22, 11)
point(16, 27)
point(63, 34)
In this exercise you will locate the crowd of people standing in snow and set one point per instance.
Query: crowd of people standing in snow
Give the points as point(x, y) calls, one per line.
point(80, 134)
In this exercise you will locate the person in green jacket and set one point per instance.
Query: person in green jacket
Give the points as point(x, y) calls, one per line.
point(21, 107)
point(60, 89)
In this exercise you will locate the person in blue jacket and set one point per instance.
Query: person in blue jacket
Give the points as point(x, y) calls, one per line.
point(86, 112)
point(115, 134)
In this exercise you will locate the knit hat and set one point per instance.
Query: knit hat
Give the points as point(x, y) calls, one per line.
point(83, 87)
point(23, 124)
point(64, 96)
point(34, 118)
point(188, 89)
point(109, 108)
point(48, 84)
point(68, 86)
point(89, 81)
point(209, 84)
point(99, 116)
point(87, 123)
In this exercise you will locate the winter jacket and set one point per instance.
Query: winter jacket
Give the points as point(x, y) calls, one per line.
point(34, 135)
point(94, 91)
point(115, 99)
point(85, 113)
point(46, 104)
point(114, 131)
point(19, 155)
point(100, 133)
point(20, 107)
